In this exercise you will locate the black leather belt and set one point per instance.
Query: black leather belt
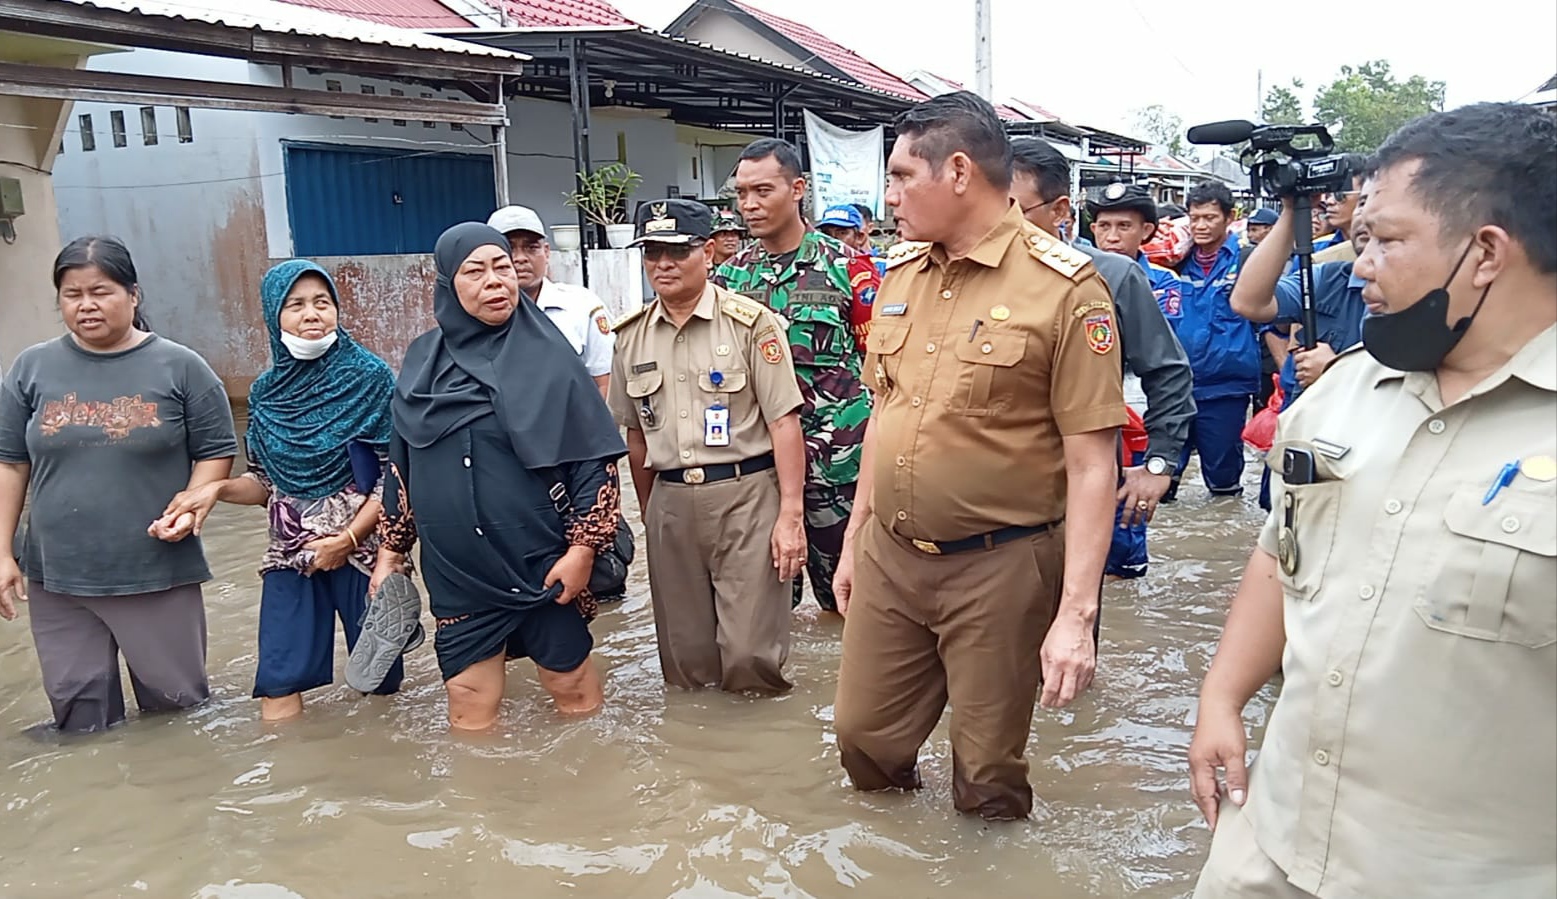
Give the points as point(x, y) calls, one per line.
point(709, 474)
point(981, 541)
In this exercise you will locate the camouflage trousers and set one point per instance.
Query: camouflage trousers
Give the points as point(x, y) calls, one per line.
point(827, 510)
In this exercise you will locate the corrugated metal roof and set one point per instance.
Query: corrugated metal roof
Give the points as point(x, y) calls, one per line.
point(563, 13)
point(399, 13)
point(824, 48)
point(284, 18)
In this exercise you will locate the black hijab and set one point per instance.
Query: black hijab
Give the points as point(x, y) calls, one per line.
point(523, 370)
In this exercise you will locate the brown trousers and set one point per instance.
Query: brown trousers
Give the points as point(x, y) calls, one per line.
point(720, 611)
point(923, 629)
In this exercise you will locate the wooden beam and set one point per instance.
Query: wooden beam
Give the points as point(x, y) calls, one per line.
point(113, 87)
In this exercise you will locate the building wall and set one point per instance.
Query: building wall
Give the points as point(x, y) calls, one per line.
point(723, 30)
point(28, 313)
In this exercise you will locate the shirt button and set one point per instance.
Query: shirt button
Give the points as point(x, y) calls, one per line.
point(916, 402)
point(480, 532)
point(1436, 426)
point(681, 338)
point(929, 347)
point(1335, 678)
point(1392, 507)
point(1321, 757)
point(514, 590)
point(902, 460)
point(681, 377)
point(686, 454)
point(987, 348)
point(467, 461)
point(683, 413)
point(946, 294)
point(1510, 524)
point(1366, 592)
point(902, 516)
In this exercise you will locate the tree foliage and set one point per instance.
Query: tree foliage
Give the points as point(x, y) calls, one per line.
point(1365, 104)
point(1163, 128)
point(1282, 106)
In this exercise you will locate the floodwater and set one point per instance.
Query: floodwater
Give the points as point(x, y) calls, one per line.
point(664, 794)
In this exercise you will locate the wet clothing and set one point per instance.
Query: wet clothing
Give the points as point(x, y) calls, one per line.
point(304, 414)
point(980, 367)
point(294, 523)
point(111, 438)
point(721, 614)
point(297, 630)
point(487, 421)
point(79, 638)
point(1420, 662)
point(1127, 556)
point(1216, 435)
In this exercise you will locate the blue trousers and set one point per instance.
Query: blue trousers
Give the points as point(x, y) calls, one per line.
point(1217, 435)
point(1127, 553)
point(297, 630)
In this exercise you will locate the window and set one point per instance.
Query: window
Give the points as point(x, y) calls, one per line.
point(116, 125)
point(149, 125)
point(370, 90)
point(186, 130)
point(88, 136)
point(428, 96)
point(397, 92)
point(334, 87)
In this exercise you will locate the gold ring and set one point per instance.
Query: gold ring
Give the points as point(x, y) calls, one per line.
point(1143, 505)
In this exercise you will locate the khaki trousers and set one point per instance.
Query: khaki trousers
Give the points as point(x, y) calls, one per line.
point(1237, 868)
point(923, 629)
point(721, 613)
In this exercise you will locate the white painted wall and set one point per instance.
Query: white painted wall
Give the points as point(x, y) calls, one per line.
point(723, 30)
point(28, 312)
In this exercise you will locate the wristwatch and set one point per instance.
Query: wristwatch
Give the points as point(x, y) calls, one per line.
point(1157, 465)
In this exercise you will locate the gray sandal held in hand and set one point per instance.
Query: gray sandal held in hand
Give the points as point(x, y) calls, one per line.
point(391, 627)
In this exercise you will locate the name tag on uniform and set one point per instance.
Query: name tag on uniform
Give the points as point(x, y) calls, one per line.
point(716, 426)
point(642, 367)
point(894, 309)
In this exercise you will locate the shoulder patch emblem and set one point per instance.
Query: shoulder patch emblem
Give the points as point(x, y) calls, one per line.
point(602, 321)
point(772, 350)
point(906, 251)
point(630, 317)
point(1100, 332)
point(1059, 256)
point(741, 309)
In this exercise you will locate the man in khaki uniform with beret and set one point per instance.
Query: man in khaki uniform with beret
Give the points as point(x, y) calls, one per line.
point(986, 501)
point(704, 384)
point(1404, 583)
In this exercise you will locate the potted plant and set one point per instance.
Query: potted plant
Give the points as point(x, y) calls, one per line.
point(602, 197)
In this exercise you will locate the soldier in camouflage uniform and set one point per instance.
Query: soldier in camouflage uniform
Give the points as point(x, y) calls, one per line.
point(824, 291)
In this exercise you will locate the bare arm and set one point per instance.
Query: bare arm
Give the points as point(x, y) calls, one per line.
point(604, 383)
point(789, 458)
point(864, 507)
point(1277, 347)
point(175, 526)
point(1248, 655)
point(13, 492)
point(643, 478)
point(1254, 293)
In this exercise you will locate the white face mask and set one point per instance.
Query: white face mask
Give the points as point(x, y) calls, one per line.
point(307, 350)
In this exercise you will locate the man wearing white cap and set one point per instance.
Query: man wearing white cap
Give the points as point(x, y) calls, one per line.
point(576, 311)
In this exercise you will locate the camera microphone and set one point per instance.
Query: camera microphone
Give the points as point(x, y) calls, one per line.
point(1235, 131)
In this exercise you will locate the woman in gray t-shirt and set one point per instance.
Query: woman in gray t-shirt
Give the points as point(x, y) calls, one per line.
point(105, 424)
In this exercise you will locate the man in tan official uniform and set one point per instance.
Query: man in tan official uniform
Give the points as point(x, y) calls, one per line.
point(704, 384)
point(986, 502)
point(1404, 583)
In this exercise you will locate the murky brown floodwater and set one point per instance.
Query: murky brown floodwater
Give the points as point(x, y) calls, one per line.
point(665, 794)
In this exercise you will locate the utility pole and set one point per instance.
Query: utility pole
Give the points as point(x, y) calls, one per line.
point(1259, 95)
point(983, 75)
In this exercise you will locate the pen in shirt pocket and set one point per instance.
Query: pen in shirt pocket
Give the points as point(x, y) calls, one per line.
point(976, 323)
point(1504, 478)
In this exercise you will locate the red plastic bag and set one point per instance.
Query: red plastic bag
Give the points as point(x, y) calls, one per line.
point(1170, 244)
point(1260, 432)
point(1134, 437)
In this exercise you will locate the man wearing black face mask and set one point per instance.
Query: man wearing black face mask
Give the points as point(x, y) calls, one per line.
point(1403, 584)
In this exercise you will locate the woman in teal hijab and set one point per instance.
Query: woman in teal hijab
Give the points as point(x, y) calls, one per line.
point(319, 428)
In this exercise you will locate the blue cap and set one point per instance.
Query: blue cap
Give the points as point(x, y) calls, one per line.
point(843, 216)
point(1263, 216)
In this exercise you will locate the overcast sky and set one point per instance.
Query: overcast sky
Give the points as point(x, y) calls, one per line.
point(1092, 63)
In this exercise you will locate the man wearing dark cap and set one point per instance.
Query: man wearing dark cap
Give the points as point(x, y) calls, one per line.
point(1259, 225)
point(729, 231)
point(844, 224)
point(706, 389)
point(1039, 185)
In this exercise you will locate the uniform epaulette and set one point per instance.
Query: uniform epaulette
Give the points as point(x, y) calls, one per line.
point(741, 309)
point(1058, 255)
point(631, 317)
point(906, 251)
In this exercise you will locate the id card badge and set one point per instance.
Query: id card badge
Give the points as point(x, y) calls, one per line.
point(716, 426)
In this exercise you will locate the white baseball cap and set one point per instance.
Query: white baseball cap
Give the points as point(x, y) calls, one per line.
point(517, 218)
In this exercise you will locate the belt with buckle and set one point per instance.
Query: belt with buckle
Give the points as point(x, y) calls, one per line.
point(981, 541)
point(710, 474)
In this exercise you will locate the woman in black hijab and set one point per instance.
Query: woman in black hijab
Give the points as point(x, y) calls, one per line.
point(492, 408)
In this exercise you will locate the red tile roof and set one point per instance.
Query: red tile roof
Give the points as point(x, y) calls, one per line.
point(414, 14)
point(1004, 111)
point(562, 13)
point(852, 64)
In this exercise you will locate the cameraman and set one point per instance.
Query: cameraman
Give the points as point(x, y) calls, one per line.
point(1405, 591)
point(1264, 296)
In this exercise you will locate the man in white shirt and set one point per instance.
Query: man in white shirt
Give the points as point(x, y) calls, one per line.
point(576, 311)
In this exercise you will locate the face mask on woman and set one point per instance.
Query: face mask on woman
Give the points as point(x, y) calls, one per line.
point(306, 350)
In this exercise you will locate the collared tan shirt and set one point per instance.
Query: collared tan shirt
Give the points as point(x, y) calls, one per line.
point(980, 366)
point(1413, 751)
point(662, 379)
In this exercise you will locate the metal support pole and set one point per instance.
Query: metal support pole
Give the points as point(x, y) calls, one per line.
point(983, 75)
point(500, 152)
point(778, 118)
point(578, 80)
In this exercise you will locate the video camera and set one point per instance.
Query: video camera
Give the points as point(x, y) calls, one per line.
point(1278, 166)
